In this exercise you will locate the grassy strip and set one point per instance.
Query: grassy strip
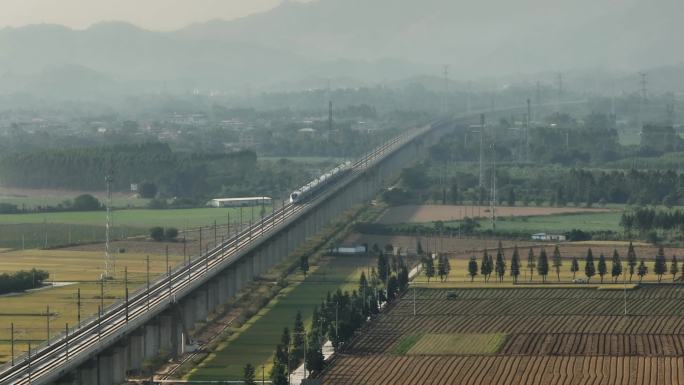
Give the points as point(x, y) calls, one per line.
point(141, 217)
point(255, 341)
point(458, 344)
point(406, 344)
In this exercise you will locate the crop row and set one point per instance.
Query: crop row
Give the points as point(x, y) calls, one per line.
point(510, 370)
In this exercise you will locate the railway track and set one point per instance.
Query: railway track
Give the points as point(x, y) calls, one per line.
point(64, 353)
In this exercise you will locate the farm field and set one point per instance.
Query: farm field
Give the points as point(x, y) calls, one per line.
point(459, 264)
point(546, 335)
point(44, 230)
point(32, 198)
point(460, 250)
point(140, 217)
point(452, 245)
point(71, 271)
point(558, 223)
point(255, 341)
point(446, 213)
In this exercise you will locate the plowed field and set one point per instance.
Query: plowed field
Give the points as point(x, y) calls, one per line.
point(546, 335)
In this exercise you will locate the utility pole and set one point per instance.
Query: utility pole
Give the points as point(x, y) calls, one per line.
point(29, 362)
point(12, 338)
point(102, 292)
point(78, 306)
point(148, 281)
point(47, 318)
point(126, 290)
point(99, 324)
point(66, 341)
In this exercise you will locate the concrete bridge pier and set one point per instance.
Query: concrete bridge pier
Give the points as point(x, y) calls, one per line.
point(136, 350)
point(239, 276)
point(171, 334)
point(230, 280)
point(249, 267)
point(119, 362)
point(222, 288)
point(213, 294)
point(69, 379)
point(151, 340)
point(87, 373)
point(199, 298)
point(105, 369)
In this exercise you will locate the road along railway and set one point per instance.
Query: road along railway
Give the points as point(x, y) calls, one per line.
point(154, 321)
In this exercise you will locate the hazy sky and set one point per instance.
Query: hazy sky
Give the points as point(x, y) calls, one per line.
point(151, 14)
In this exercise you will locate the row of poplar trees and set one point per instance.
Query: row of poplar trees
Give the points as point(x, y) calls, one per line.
point(542, 265)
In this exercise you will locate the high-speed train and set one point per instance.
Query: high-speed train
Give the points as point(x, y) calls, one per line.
point(310, 188)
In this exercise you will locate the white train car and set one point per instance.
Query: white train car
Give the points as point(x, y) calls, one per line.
point(310, 188)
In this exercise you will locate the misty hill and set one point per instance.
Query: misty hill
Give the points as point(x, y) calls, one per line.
point(354, 41)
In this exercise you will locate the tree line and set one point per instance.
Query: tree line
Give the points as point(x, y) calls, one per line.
point(555, 187)
point(177, 173)
point(22, 280)
point(337, 318)
point(545, 264)
point(645, 219)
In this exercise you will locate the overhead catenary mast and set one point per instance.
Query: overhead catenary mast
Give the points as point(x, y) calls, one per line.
point(110, 259)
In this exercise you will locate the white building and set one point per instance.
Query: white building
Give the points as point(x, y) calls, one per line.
point(548, 237)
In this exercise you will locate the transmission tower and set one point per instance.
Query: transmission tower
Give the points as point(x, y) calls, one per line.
point(492, 194)
point(110, 259)
point(468, 99)
point(527, 130)
point(538, 97)
point(482, 134)
point(644, 90)
point(644, 94)
point(559, 81)
point(446, 89)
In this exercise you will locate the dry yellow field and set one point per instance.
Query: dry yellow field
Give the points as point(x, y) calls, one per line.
point(429, 213)
point(75, 270)
point(459, 275)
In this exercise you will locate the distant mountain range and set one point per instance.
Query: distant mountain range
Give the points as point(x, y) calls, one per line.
point(347, 42)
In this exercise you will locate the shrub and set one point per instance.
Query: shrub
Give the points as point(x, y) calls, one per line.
point(86, 202)
point(171, 234)
point(157, 234)
point(157, 204)
point(147, 190)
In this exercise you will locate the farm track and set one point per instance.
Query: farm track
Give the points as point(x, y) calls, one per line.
point(554, 336)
